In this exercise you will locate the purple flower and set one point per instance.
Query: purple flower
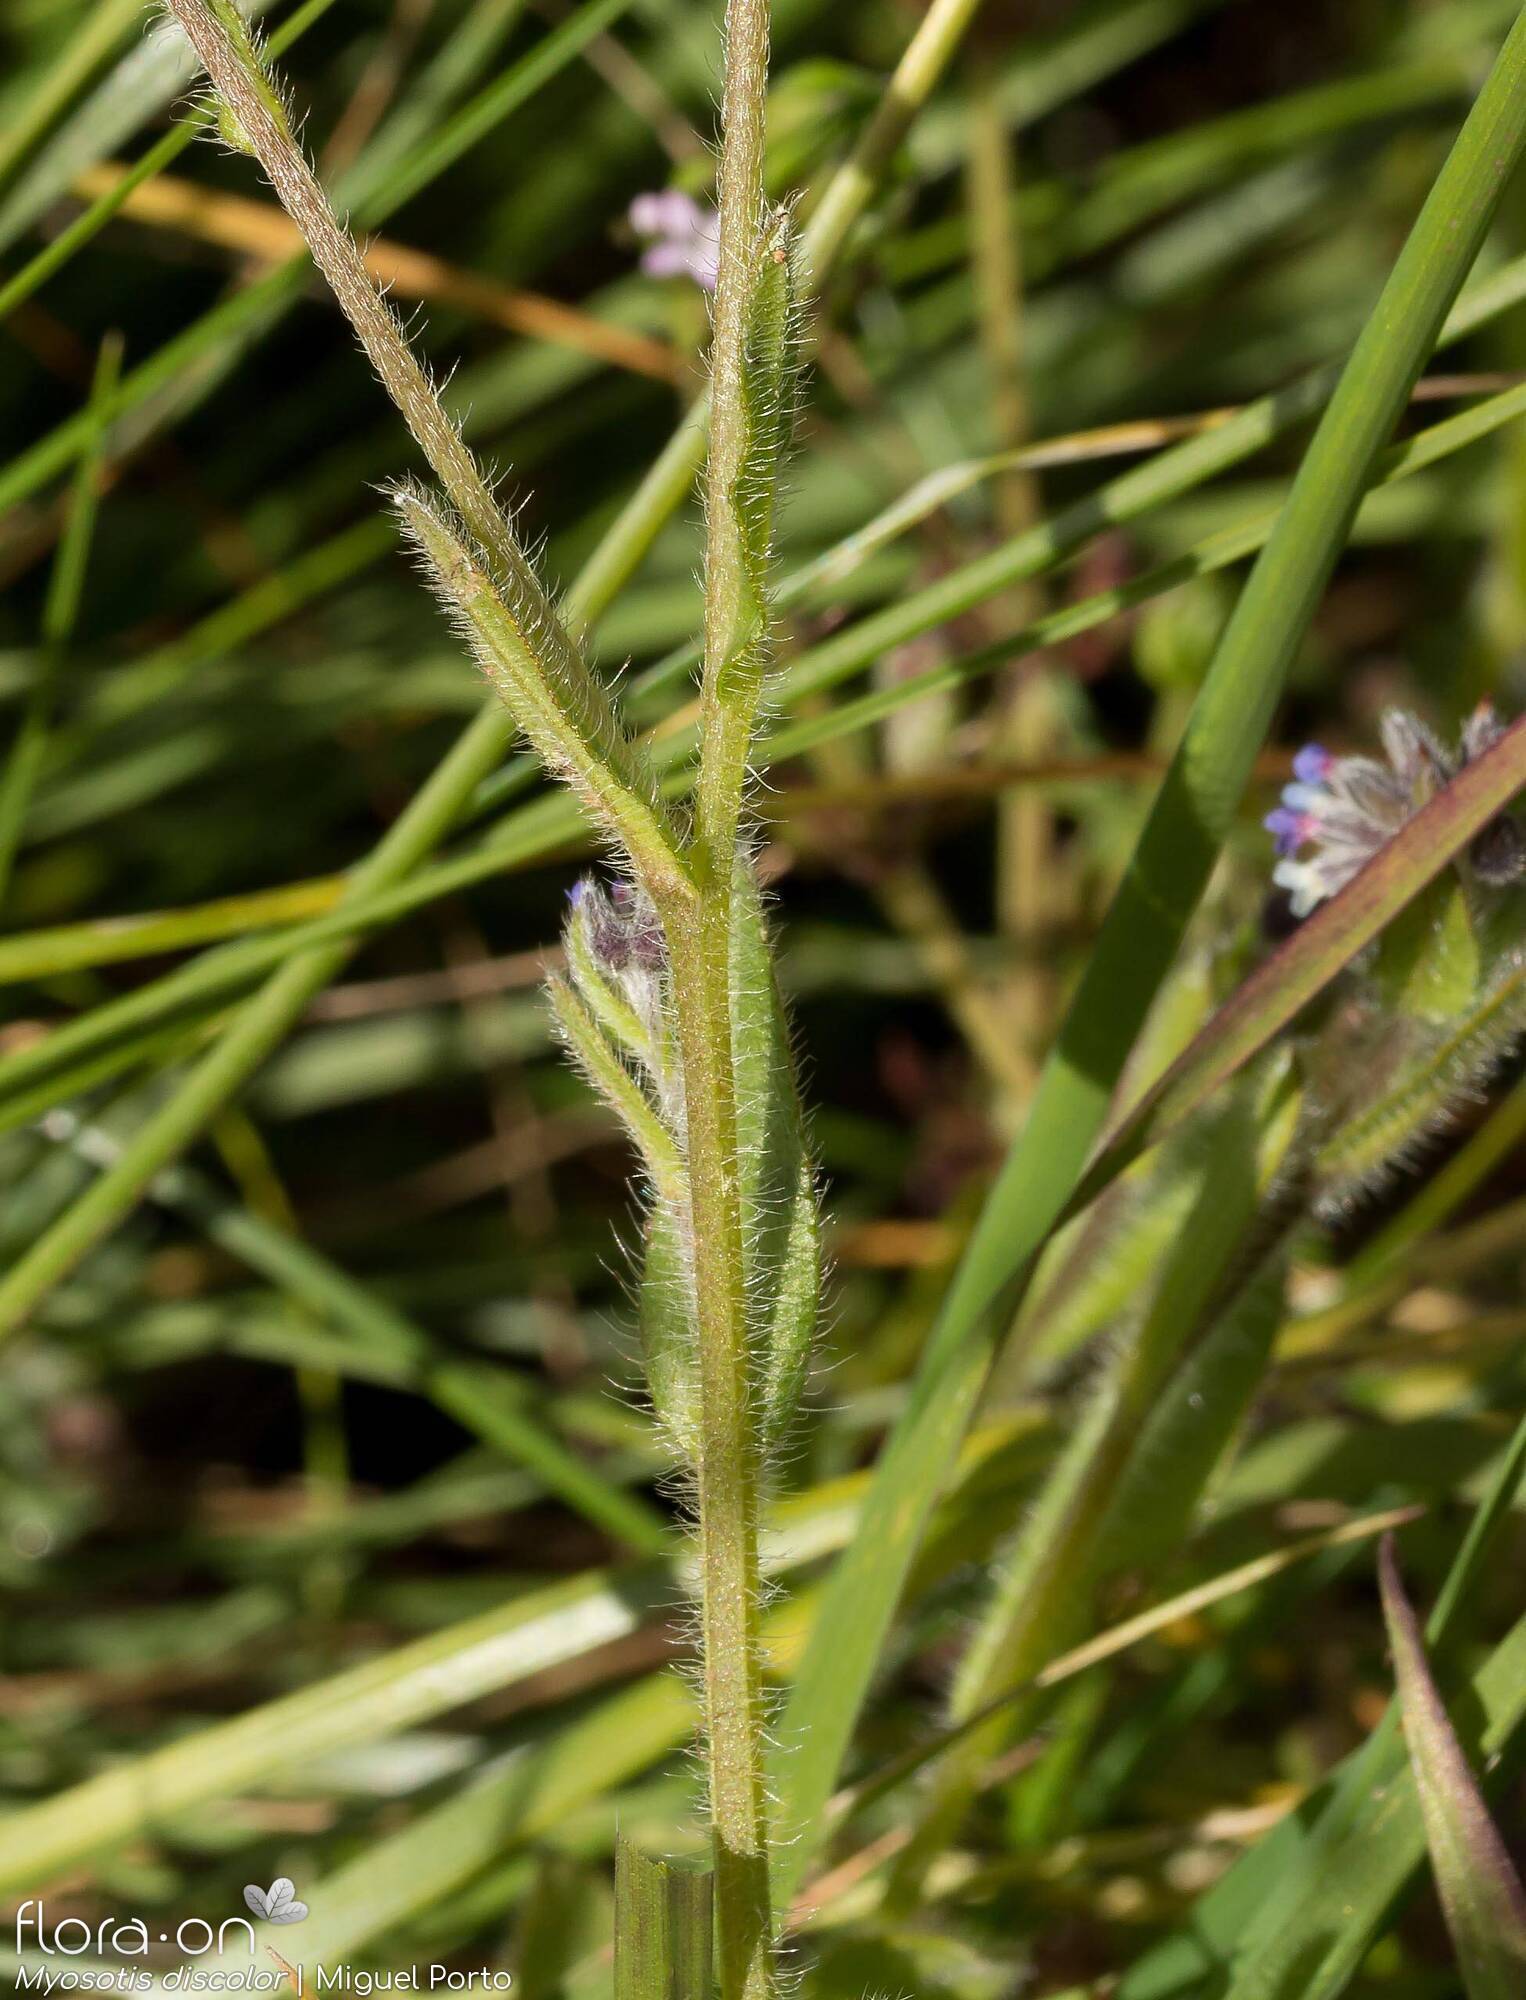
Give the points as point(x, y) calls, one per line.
point(1343, 809)
point(1289, 829)
point(683, 238)
point(620, 925)
point(1313, 764)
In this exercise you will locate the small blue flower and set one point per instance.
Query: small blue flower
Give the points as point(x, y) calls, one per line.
point(1288, 828)
point(1343, 809)
point(1300, 815)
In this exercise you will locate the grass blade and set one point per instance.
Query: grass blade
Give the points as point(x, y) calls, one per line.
point(65, 588)
point(482, 1398)
point(1480, 1890)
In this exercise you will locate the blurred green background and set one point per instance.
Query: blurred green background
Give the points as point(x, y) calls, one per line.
point(366, 1369)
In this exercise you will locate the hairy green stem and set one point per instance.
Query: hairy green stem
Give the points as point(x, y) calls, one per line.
point(700, 954)
point(729, 690)
point(727, 1469)
point(246, 93)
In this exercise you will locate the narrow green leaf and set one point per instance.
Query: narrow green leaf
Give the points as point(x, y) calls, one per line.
point(516, 84)
point(1429, 960)
point(794, 1305)
point(1382, 1257)
point(1299, 1926)
point(604, 1000)
point(66, 585)
point(607, 1073)
point(1440, 1070)
point(540, 675)
point(519, 839)
point(1168, 475)
point(480, 1656)
point(1172, 1394)
point(483, 1398)
point(551, 1930)
point(666, 1314)
point(834, 660)
point(142, 84)
point(1479, 1888)
point(92, 43)
point(1106, 1645)
point(414, 1683)
point(769, 366)
point(778, 1184)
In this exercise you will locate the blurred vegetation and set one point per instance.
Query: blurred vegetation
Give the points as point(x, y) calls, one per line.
point(345, 1416)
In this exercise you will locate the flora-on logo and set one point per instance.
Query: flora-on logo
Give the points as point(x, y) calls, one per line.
point(278, 1904)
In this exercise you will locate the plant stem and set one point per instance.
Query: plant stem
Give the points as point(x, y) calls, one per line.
point(729, 691)
point(112, 1036)
point(727, 1468)
point(927, 55)
point(700, 945)
point(249, 97)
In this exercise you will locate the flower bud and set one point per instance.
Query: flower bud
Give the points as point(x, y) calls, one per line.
point(618, 958)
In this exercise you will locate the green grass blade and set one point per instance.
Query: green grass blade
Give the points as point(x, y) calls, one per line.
point(441, 148)
point(73, 1052)
point(1480, 1890)
point(483, 1655)
point(66, 586)
point(826, 666)
point(107, 26)
point(1299, 1926)
point(427, 1678)
point(117, 1034)
point(1154, 1423)
point(1107, 1644)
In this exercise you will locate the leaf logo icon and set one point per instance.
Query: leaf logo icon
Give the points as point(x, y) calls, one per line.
point(278, 1904)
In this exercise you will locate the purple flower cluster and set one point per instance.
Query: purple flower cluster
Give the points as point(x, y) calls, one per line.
point(1339, 811)
point(683, 238)
point(622, 927)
